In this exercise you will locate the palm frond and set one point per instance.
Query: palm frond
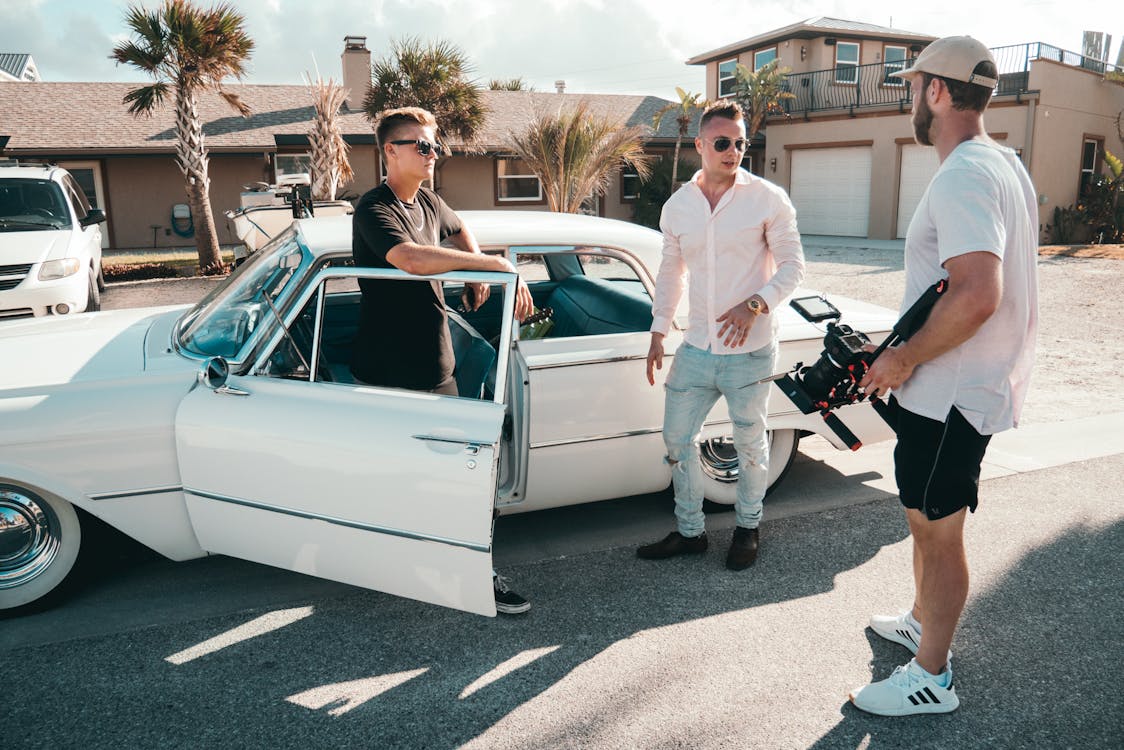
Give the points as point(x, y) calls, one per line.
point(146, 99)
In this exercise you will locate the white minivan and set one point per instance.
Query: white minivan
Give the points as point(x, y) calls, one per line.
point(50, 244)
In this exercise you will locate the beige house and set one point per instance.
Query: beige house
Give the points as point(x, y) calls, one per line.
point(127, 166)
point(845, 149)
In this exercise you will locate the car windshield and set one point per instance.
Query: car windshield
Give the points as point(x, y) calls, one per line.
point(32, 205)
point(223, 322)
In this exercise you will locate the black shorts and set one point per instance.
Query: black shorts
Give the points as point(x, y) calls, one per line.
point(937, 464)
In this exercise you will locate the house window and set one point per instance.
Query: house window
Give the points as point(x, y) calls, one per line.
point(293, 164)
point(727, 77)
point(893, 61)
point(1090, 152)
point(516, 182)
point(630, 184)
point(847, 62)
point(761, 58)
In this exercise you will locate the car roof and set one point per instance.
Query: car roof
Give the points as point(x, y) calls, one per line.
point(502, 228)
point(30, 172)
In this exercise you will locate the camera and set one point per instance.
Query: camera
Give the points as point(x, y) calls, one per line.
point(833, 379)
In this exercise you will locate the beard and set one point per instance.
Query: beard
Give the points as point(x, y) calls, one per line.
point(922, 122)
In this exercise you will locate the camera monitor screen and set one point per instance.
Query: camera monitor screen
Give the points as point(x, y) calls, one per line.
point(815, 309)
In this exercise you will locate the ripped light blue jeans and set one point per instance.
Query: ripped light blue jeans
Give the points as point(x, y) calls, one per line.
point(695, 382)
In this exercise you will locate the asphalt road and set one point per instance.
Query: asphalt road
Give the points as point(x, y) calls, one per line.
point(617, 652)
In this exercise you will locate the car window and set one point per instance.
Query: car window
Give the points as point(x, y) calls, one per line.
point(222, 323)
point(32, 205)
point(607, 267)
point(77, 196)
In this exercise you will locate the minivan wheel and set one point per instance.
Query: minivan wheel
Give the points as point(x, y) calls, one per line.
point(93, 295)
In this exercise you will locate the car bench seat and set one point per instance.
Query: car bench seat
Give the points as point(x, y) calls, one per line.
point(474, 356)
point(585, 306)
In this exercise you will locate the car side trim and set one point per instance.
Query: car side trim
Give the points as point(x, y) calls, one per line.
point(341, 521)
point(598, 361)
point(135, 493)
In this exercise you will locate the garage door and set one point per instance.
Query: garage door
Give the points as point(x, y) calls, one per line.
point(831, 190)
point(919, 164)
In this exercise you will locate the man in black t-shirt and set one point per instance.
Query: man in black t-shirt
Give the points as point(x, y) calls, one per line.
point(403, 337)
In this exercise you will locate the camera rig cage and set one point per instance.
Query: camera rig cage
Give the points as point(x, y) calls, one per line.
point(833, 380)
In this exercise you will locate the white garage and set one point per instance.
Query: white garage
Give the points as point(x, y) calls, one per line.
point(831, 190)
point(919, 164)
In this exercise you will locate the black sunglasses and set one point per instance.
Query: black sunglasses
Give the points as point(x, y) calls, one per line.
point(721, 143)
point(424, 146)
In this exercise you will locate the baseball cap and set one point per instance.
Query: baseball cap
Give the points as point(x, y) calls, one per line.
point(953, 57)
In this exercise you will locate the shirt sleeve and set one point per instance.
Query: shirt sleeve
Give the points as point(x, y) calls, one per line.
point(783, 238)
point(671, 280)
point(379, 229)
point(964, 206)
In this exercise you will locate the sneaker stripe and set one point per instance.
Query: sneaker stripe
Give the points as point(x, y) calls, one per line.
point(908, 636)
point(912, 700)
point(930, 694)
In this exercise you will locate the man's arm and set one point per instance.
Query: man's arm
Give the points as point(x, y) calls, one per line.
point(426, 260)
point(975, 287)
point(670, 283)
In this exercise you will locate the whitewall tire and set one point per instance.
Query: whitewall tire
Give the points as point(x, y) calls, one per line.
point(40, 536)
point(719, 463)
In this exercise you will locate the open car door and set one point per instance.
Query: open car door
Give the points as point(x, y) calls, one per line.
point(291, 465)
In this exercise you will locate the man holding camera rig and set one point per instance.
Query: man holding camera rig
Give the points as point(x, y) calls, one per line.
point(732, 237)
point(962, 376)
point(401, 224)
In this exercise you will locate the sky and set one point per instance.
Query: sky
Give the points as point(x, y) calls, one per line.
point(596, 46)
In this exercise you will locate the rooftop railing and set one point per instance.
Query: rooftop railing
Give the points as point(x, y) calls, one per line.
point(851, 87)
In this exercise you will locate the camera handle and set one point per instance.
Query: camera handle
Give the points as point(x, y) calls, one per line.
point(913, 318)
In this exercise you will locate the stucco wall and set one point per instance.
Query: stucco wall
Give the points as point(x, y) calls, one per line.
point(1074, 104)
point(142, 190)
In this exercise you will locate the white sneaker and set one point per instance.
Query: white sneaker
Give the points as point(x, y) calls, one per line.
point(909, 690)
point(899, 629)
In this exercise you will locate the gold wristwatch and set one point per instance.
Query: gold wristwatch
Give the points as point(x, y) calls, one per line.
point(755, 306)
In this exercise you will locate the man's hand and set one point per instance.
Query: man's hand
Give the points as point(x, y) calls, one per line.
point(736, 324)
point(524, 304)
point(892, 368)
point(475, 295)
point(655, 357)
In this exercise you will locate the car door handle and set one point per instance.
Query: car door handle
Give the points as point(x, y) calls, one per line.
point(471, 447)
point(228, 391)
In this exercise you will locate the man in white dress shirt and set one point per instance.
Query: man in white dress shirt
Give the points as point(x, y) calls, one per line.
point(730, 242)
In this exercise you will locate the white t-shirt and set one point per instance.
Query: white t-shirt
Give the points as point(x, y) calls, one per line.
point(981, 199)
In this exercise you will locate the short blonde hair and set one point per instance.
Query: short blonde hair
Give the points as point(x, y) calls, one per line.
point(390, 120)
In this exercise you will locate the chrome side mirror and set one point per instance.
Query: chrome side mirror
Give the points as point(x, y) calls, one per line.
point(214, 373)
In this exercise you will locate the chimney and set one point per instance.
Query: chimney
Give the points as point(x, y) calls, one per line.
point(560, 86)
point(356, 65)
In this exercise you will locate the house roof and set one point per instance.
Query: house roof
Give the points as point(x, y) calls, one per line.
point(810, 28)
point(14, 63)
point(74, 118)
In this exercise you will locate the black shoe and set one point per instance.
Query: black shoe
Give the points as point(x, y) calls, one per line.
point(507, 601)
point(743, 549)
point(673, 544)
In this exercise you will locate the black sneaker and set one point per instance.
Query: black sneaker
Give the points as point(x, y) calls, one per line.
point(507, 601)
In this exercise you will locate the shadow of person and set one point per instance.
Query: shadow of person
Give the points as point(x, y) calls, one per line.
point(1031, 653)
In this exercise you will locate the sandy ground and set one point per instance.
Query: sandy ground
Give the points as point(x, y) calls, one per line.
point(1080, 350)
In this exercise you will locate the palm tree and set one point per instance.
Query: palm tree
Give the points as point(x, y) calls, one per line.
point(685, 110)
point(434, 77)
point(509, 84)
point(760, 94)
point(330, 166)
point(188, 51)
point(574, 154)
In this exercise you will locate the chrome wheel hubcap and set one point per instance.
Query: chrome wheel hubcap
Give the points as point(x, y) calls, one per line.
point(30, 537)
point(719, 459)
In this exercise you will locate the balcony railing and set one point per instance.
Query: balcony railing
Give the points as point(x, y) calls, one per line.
point(861, 86)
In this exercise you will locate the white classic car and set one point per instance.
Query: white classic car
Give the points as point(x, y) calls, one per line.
point(234, 426)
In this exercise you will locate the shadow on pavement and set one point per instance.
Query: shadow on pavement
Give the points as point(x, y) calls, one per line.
point(1027, 665)
point(398, 673)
